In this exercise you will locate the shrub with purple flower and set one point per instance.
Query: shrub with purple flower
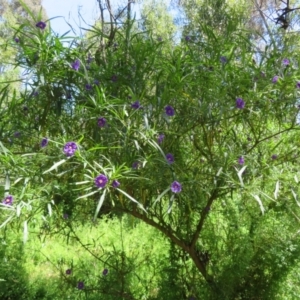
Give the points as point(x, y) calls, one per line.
point(298, 85)
point(169, 111)
point(170, 158)
point(70, 148)
point(44, 142)
point(101, 181)
point(240, 103)
point(8, 200)
point(274, 156)
point(176, 187)
point(41, 25)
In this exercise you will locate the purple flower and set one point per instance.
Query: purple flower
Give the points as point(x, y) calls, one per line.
point(159, 39)
point(88, 87)
point(298, 85)
point(241, 160)
point(80, 285)
point(223, 59)
point(240, 104)
point(274, 156)
point(176, 187)
point(101, 181)
point(136, 105)
point(101, 122)
point(44, 142)
point(96, 82)
point(187, 38)
point(17, 40)
point(41, 25)
point(285, 62)
point(65, 216)
point(136, 165)
point(76, 65)
point(275, 79)
point(68, 272)
point(8, 200)
point(170, 158)
point(70, 148)
point(160, 138)
point(169, 111)
point(105, 272)
point(115, 184)
point(114, 78)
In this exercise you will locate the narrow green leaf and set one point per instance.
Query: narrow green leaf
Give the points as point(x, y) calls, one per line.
point(170, 204)
point(55, 166)
point(6, 221)
point(240, 174)
point(276, 192)
point(49, 209)
point(101, 200)
point(132, 199)
point(256, 197)
point(87, 195)
point(161, 195)
point(25, 235)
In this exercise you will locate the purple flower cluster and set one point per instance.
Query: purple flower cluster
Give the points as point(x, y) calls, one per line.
point(70, 148)
point(68, 272)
